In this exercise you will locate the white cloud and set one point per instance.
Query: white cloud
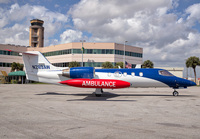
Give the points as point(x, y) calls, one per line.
point(17, 34)
point(71, 36)
point(167, 38)
point(194, 12)
point(119, 19)
point(3, 22)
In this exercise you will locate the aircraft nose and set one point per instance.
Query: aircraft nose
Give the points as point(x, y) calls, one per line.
point(189, 83)
point(185, 83)
point(192, 83)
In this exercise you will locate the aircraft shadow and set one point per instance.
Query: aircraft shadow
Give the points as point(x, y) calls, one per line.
point(107, 95)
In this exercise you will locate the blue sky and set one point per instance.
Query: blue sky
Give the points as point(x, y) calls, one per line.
point(167, 30)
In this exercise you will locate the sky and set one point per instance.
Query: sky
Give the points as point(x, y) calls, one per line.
point(167, 30)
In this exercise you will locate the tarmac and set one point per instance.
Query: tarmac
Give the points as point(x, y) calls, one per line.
point(46, 111)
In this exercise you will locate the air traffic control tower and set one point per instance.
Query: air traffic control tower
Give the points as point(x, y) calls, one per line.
point(36, 34)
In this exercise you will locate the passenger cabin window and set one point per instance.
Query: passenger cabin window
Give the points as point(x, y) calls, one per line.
point(117, 74)
point(165, 73)
point(141, 74)
point(133, 73)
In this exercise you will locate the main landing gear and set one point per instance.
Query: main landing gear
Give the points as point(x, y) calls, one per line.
point(98, 92)
point(175, 93)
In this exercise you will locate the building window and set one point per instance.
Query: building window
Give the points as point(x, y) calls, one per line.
point(35, 45)
point(93, 51)
point(76, 51)
point(5, 64)
point(2, 52)
point(35, 30)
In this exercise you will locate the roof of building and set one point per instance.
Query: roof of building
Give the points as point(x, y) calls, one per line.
point(17, 73)
point(37, 20)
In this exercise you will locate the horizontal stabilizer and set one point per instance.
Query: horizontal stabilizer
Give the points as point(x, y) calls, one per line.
point(29, 53)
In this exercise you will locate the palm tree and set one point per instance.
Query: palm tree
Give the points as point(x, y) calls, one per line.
point(16, 66)
point(121, 64)
point(107, 65)
point(74, 64)
point(147, 64)
point(193, 61)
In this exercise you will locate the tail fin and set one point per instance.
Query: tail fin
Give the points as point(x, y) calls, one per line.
point(35, 64)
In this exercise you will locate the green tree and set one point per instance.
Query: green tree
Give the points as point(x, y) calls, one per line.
point(121, 64)
point(74, 64)
point(107, 65)
point(193, 61)
point(147, 64)
point(16, 66)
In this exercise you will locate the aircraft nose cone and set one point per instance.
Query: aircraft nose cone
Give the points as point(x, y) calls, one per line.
point(192, 83)
point(184, 83)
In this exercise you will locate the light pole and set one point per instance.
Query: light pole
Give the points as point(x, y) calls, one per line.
point(124, 54)
point(186, 69)
point(82, 49)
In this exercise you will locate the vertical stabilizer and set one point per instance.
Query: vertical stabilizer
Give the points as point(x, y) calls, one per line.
point(38, 68)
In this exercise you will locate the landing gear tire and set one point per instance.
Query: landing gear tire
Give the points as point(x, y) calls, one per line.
point(175, 93)
point(98, 92)
point(98, 95)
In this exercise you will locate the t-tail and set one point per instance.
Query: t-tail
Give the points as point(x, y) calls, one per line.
point(39, 69)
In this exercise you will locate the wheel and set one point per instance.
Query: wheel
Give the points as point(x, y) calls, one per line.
point(175, 93)
point(98, 95)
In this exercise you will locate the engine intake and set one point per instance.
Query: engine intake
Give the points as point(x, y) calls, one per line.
point(79, 72)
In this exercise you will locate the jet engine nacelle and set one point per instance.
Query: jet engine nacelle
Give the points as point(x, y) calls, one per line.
point(79, 72)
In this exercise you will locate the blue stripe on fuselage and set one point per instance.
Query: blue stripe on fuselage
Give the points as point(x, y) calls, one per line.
point(147, 73)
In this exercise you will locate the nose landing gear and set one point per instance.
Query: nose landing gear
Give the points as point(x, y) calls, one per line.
point(175, 93)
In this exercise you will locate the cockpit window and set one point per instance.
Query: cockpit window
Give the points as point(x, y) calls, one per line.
point(165, 73)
